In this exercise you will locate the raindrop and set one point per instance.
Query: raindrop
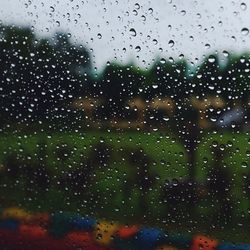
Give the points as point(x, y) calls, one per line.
point(244, 165)
point(99, 35)
point(135, 12)
point(211, 59)
point(171, 43)
point(207, 46)
point(183, 12)
point(245, 31)
point(163, 61)
point(225, 53)
point(137, 48)
point(132, 32)
point(137, 6)
point(243, 6)
point(181, 56)
point(155, 41)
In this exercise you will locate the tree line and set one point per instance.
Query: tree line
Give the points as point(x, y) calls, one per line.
point(40, 77)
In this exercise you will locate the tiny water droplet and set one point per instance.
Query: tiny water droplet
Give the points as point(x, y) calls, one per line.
point(137, 6)
point(137, 48)
point(207, 46)
point(243, 6)
point(163, 61)
point(183, 12)
point(132, 32)
point(225, 53)
point(245, 31)
point(211, 59)
point(135, 12)
point(155, 41)
point(244, 165)
point(171, 43)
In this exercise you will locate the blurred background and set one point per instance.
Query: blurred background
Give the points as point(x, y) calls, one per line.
point(130, 111)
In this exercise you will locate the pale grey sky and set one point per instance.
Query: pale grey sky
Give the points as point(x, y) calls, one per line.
point(139, 31)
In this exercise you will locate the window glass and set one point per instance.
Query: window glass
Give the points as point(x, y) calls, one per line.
point(124, 124)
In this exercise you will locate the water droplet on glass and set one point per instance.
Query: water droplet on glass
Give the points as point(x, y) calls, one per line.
point(163, 61)
point(245, 31)
point(244, 165)
point(171, 43)
point(207, 46)
point(183, 12)
point(225, 53)
point(99, 35)
point(135, 12)
point(137, 48)
point(132, 32)
point(155, 41)
point(211, 59)
point(243, 6)
point(150, 10)
point(137, 6)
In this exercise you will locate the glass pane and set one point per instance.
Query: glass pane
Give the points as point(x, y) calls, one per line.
point(124, 124)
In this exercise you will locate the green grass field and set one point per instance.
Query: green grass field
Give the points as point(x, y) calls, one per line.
point(107, 198)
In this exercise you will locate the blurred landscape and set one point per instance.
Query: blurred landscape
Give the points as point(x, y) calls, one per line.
point(166, 145)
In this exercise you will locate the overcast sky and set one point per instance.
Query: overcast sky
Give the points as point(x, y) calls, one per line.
point(138, 31)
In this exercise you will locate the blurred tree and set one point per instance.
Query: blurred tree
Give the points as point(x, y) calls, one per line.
point(117, 85)
point(38, 76)
point(207, 78)
point(167, 78)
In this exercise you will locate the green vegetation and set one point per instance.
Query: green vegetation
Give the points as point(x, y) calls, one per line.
point(167, 163)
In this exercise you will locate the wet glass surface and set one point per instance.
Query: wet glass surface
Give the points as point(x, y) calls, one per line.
point(124, 113)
